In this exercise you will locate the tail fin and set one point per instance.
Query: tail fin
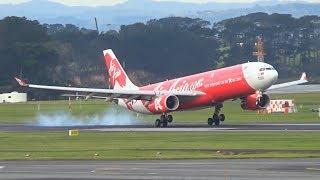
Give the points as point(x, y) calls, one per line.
point(118, 79)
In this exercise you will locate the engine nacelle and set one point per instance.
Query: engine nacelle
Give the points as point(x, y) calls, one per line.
point(164, 104)
point(255, 102)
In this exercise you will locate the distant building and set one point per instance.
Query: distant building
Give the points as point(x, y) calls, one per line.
point(13, 97)
point(282, 106)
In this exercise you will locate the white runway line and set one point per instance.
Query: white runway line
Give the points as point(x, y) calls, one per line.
point(272, 130)
point(275, 127)
point(315, 124)
point(160, 129)
point(198, 130)
point(1, 167)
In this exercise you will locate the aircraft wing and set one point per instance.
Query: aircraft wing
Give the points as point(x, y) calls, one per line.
point(112, 93)
point(280, 88)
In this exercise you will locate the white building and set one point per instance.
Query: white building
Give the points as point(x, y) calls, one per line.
point(13, 97)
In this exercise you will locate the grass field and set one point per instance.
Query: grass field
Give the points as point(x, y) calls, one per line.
point(27, 113)
point(158, 145)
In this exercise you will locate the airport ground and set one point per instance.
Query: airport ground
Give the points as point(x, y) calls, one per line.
point(244, 134)
point(26, 113)
point(186, 150)
point(243, 169)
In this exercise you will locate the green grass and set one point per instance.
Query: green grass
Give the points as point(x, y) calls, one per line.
point(155, 145)
point(26, 112)
point(147, 145)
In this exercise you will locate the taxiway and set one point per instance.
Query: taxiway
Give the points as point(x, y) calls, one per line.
point(164, 169)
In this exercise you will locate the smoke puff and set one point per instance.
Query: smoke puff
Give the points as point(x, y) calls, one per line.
point(110, 117)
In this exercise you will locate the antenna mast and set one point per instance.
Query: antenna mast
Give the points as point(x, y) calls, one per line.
point(259, 45)
point(97, 27)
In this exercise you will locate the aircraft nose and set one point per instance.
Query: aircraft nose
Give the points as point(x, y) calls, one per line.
point(274, 76)
point(271, 77)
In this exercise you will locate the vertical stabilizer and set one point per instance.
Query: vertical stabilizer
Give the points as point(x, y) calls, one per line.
point(118, 79)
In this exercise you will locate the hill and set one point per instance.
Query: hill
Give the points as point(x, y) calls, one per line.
point(295, 9)
point(132, 11)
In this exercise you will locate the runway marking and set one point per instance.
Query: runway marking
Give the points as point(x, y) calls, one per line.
point(159, 129)
point(287, 124)
point(274, 130)
point(198, 130)
point(106, 170)
point(1, 167)
point(313, 169)
point(152, 173)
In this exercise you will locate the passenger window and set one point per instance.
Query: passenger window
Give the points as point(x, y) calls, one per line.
point(262, 69)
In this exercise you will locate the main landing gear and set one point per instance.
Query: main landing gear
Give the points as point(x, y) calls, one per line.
point(217, 118)
point(163, 121)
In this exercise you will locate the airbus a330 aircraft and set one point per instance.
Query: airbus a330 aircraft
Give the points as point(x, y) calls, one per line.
point(248, 82)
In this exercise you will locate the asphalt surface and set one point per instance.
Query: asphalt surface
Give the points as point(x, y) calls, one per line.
point(164, 169)
point(173, 127)
point(205, 128)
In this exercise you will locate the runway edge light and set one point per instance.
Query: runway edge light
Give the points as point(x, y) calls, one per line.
point(73, 132)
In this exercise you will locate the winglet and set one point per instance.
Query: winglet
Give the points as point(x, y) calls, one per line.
point(304, 76)
point(21, 82)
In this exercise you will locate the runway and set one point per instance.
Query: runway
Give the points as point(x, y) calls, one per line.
point(175, 127)
point(205, 128)
point(164, 169)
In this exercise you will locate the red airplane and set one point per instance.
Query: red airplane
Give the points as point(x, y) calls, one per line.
point(248, 82)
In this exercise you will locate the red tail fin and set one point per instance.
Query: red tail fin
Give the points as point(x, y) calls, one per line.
point(118, 78)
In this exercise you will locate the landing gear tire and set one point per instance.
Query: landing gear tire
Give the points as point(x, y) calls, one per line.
point(217, 122)
point(163, 121)
point(170, 118)
point(222, 117)
point(157, 123)
point(217, 118)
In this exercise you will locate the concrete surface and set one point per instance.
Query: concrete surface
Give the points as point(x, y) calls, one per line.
point(241, 169)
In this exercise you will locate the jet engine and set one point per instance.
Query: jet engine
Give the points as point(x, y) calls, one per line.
point(163, 104)
point(255, 102)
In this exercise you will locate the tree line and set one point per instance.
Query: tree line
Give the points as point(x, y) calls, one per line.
point(157, 50)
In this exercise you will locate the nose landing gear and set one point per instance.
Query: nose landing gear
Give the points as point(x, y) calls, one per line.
point(217, 118)
point(163, 121)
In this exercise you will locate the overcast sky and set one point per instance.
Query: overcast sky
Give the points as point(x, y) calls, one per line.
point(110, 2)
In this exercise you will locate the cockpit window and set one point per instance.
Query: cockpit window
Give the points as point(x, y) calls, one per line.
point(268, 68)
